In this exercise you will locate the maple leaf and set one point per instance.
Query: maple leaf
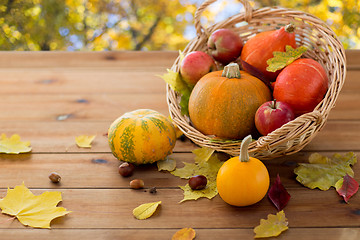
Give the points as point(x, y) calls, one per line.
point(176, 82)
point(273, 226)
point(278, 195)
point(323, 172)
point(203, 154)
point(145, 210)
point(13, 145)
point(207, 168)
point(31, 210)
point(209, 192)
point(84, 141)
point(347, 187)
point(184, 234)
point(282, 59)
point(168, 164)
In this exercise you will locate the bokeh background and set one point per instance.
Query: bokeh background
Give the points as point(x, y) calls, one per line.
point(95, 25)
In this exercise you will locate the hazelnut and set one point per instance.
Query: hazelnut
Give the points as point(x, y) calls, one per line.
point(198, 182)
point(126, 169)
point(137, 184)
point(54, 177)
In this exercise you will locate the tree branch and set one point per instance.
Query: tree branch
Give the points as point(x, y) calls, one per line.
point(148, 35)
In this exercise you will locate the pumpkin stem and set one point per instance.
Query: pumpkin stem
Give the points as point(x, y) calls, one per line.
point(290, 28)
point(231, 71)
point(244, 153)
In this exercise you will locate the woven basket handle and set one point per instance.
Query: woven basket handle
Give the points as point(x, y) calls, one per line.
point(201, 30)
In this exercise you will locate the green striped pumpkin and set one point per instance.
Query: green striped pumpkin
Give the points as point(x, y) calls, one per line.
point(142, 136)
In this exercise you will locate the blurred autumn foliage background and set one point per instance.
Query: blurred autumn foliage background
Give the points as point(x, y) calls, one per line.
point(94, 25)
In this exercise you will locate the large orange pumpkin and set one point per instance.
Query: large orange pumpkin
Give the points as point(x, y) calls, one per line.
point(224, 103)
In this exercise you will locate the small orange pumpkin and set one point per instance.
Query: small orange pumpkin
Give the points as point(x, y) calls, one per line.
point(243, 180)
point(224, 103)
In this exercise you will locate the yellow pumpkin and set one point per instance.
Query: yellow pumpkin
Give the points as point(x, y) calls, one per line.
point(243, 180)
point(142, 136)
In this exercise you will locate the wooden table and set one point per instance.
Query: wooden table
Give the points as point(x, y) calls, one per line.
point(51, 97)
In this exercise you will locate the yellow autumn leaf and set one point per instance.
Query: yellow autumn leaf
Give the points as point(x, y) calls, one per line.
point(203, 154)
point(273, 226)
point(323, 172)
point(208, 192)
point(13, 145)
point(145, 210)
point(207, 168)
point(168, 164)
point(282, 59)
point(30, 210)
point(184, 234)
point(84, 141)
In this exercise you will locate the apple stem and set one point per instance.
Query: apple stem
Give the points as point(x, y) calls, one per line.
point(290, 28)
point(274, 104)
point(244, 153)
point(231, 70)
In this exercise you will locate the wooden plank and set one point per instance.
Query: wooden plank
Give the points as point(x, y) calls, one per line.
point(119, 59)
point(151, 234)
point(81, 81)
point(60, 136)
point(98, 107)
point(353, 59)
point(75, 170)
point(112, 208)
point(108, 107)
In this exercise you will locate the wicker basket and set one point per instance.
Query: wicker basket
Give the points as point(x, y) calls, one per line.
point(323, 46)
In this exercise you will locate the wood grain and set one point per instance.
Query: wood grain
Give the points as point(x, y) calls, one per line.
point(112, 208)
point(75, 170)
point(201, 234)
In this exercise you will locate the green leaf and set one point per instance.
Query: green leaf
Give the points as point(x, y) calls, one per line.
point(145, 210)
point(176, 82)
point(282, 59)
point(273, 226)
point(322, 172)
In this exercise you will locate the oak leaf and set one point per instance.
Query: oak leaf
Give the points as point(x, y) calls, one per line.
point(30, 210)
point(347, 187)
point(282, 59)
point(13, 145)
point(145, 210)
point(184, 234)
point(84, 141)
point(323, 172)
point(273, 226)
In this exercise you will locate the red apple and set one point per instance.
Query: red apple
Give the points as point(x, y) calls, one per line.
point(225, 45)
point(272, 115)
point(195, 65)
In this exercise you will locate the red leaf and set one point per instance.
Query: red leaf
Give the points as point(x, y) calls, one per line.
point(348, 188)
point(278, 194)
